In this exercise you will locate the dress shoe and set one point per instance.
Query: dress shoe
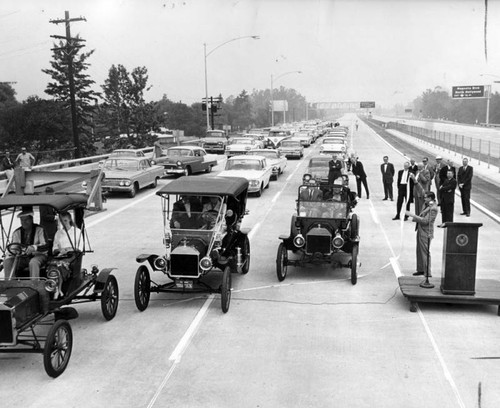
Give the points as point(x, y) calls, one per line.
point(440, 225)
point(406, 218)
point(367, 197)
point(392, 199)
point(396, 218)
point(384, 199)
point(463, 214)
point(418, 273)
point(467, 215)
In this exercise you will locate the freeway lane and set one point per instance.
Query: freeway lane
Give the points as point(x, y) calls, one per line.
point(312, 341)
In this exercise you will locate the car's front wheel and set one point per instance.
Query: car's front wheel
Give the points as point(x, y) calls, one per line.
point(142, 288)
point(58, 346)
point(281, 262)
point(133, 192)
point(259, 193)
point(109, 298)
point(245, 253)
point(225, 290)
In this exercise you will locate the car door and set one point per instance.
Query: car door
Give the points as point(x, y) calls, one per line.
point(267, 171)
point(199, 162)
point(145, 173)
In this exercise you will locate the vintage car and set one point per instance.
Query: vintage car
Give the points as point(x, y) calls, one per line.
point(274, 159)
point(130, 174)
point(241, 145)
point(215, 141)
point(207, 239)
point(304, 137)
point(253, 168)
point(323, 230)
point(30, 306)
point(127, 153)
point(291, 149)
point(330, 145)
point(186, 160)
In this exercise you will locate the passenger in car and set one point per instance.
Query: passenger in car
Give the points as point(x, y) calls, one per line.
point(68, 238)
point(211, 209)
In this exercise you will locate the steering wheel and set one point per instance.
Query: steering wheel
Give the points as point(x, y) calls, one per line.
point(16, 248)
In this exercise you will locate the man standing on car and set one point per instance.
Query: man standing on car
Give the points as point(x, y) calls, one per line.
point(359, 172)
point(335, 169)
point(464, 185)
point(387, 170)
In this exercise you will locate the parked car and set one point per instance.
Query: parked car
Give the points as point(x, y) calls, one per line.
point(241, 145)
point(291, 148)
point(26, 304)
point(186, 160)
point(253, 168)
point(210, 239)
point(215, 141)
point(130, 174)
point(322, 231)
point(275, 159)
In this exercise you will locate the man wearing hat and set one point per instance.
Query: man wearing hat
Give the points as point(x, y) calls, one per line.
point(33, 236)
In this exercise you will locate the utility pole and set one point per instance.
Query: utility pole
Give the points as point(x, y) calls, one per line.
point(71, 46)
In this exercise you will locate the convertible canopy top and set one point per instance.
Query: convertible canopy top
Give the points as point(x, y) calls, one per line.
point(60, 202)
point(230, 186)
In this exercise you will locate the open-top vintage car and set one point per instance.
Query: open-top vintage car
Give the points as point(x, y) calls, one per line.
point(323, 230)
point(202, 233)
point(34, 310)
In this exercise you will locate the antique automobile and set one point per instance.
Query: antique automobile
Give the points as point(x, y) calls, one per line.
point(34, 312)
point(215, 141)
point(241, 145)
point(274, 159)
point(323, 231)
point(202, 234)
point(130, 174)
point(253, 168)
point(330, 145)
point(291, 148)
point(186, 160)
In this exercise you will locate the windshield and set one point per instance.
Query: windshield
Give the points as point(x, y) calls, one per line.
point(331, 140)
point(322, 209)
point(127, 153)
point(319, 162)
point(179, 152)
point(197, 213)
point(242, 141)
point(268, 154)
point(120, 164)
point(278, 133)
point(243, 164)
point(215, 134)
point(290, 143)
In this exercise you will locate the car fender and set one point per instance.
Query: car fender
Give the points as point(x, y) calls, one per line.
point(101, 279)
point(150, 258)
point(245, 230)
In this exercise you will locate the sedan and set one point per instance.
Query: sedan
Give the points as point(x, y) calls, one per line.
point(275, 159)
point(130, 174)
point(254, 168)
point(291, 148)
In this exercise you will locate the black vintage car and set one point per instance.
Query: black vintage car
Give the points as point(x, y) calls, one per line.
point(34, 312)
point(323, 228)
point(202, 233)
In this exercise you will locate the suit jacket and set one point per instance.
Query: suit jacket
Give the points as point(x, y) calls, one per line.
point(180, 215)
point(388, 175)
point(447, 190)
point(305, 194)
point(414, 169)
point(430, 169)
point(423, 180)
point(425, 220)
point(358, 170)
point(443, 171)
point(409, 184)
point(465, 177)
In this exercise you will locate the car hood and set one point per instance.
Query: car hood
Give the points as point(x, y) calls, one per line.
point(120, 174)
point(248, 174)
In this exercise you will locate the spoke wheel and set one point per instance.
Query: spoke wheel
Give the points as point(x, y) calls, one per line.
point(58, 346)
point(245, 252)
point(282, 262)
point(225, 290)
point(109, 298)
point(354, 226)
point(354, 264)
point(142, 288)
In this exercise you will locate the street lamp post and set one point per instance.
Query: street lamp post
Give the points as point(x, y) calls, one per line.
point(272, 99)
point(206, 54)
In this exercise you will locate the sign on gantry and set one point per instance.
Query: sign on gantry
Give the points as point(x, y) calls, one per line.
point(469, 91)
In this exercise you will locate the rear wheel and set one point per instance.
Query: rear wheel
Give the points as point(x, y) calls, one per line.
point(58, 346)
point(109, 298)
point(282, 262)
point(225, 290)
point(245, 252)
point(209, 169)
point(142, 288)
point(354, 264)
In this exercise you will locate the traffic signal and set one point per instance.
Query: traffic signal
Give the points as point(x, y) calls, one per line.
point(203, 106)
point(213, 108)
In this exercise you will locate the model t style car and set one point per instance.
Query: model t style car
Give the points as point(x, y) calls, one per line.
point(34, 310)
point(323, 230)
point(202, 233)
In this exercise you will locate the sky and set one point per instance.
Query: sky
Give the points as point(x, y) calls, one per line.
point(387, 51)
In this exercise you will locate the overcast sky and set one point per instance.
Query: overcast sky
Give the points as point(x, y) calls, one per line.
point(366, 50)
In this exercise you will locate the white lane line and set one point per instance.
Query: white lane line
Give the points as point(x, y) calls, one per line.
point(397, 271)
point(253, 231)
point(276, 197)
point(162, 385)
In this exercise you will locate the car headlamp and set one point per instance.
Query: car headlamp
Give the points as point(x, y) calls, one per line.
point(179, 163)
point(248, 148)
point(306, 178)
point(299, 241)
point(253, 183)
point(206, 263)
point(52, 281)
point(338, 241)
point(322, 148)
point(160, 263)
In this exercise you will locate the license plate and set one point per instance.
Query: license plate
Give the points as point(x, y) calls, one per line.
point(184, 284)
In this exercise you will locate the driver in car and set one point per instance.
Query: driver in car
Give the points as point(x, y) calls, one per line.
point(186, 213)
point(33, 237)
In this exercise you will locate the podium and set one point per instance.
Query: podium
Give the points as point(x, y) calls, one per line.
point(459, 258)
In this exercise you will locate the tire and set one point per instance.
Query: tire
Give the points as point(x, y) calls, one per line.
point(267, 185)
point(282, 262)
point(133, 193)
point(354, 264)
point(259, 193)
point(245, 251)
point(58, 346)
point(225, 289)
point(354, 226)
point(209, 169)
point(155, 183)
point(187, 171)
point(109, 298)
point(142, 288)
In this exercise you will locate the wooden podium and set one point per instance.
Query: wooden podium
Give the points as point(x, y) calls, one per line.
point(459, 258)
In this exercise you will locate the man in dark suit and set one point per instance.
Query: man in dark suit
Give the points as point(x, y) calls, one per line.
point(311, 193)
point(430, 169)
point(421, 182)
point(437, 182)
point(387, 170)
point(447, 192)
point(413, 166)
point(405, 187)
point(335, 169)
point(464, 180)
point(359, 172)
point(186, 213)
